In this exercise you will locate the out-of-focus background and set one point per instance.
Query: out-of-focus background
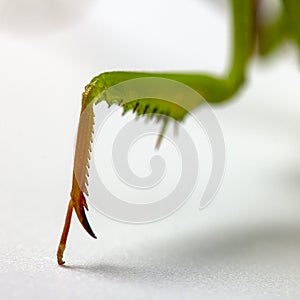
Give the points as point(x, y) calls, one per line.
point(246, 244)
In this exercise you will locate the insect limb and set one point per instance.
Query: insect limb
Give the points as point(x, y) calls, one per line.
point(64, 235)
point(212, 88)
point(80, 173)
point(292, 10)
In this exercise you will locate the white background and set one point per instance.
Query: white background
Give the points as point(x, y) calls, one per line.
point(246, 244)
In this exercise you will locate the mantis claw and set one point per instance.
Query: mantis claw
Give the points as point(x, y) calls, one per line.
point(80, 182)
point(87, 226)
point(77, 202)
point(80, 207)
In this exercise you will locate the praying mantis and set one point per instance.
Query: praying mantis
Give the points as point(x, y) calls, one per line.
point(251, 35)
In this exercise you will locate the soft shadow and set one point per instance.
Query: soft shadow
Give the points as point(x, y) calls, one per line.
point(195, 259)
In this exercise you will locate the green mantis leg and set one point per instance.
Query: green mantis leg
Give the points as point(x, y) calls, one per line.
point(214, 89)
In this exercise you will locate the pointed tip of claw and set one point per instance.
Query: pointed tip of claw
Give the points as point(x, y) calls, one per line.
point(80, 205)
point(85, 223)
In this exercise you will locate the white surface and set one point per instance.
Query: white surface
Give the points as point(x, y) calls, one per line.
point(244, 245)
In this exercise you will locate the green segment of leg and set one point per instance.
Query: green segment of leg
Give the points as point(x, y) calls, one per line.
point(213, 89)
point(285, 27)
point(271, 34)
point(292, 10)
